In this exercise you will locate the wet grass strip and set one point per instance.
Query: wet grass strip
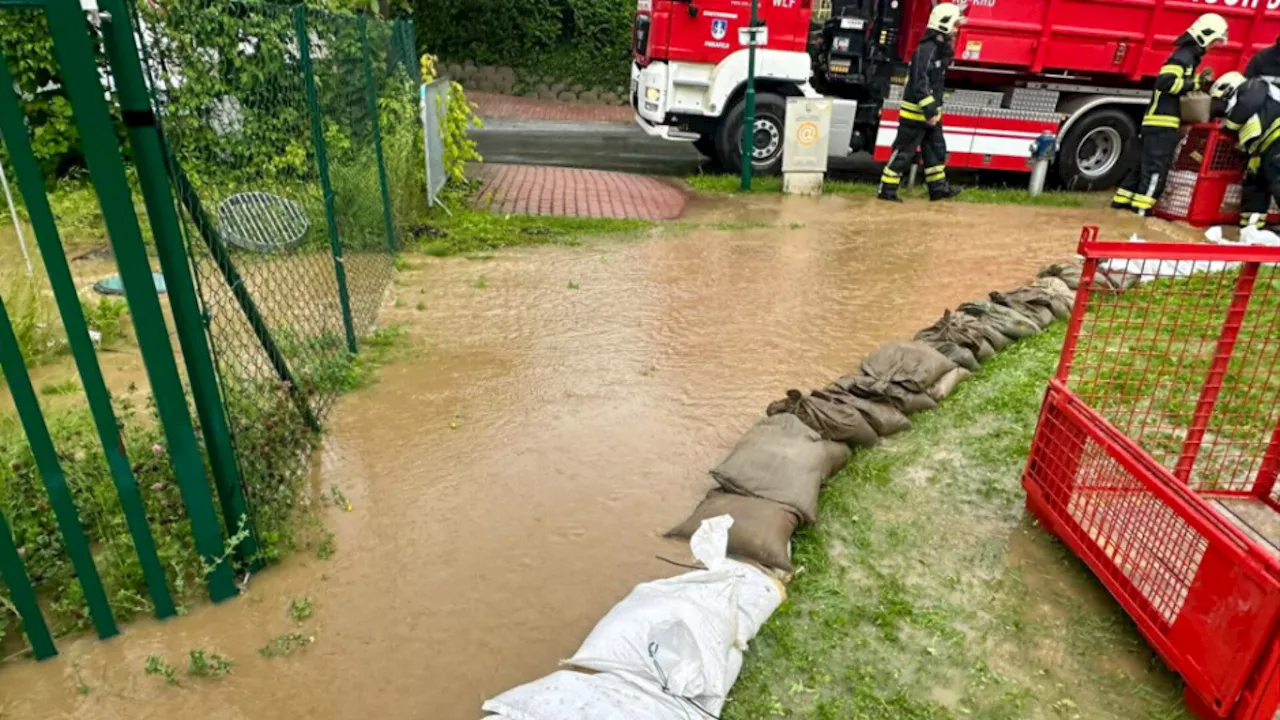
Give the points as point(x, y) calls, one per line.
point(729, 184)
point(927, 592)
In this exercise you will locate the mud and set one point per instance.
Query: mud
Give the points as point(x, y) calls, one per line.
point(510, 481)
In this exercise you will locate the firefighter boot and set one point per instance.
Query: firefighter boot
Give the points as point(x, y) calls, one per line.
point(943, 191)
point(889, 196)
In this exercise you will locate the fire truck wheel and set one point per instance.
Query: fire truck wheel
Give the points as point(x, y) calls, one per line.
point(707, 146)
point(1098, 150)
point(771, 113)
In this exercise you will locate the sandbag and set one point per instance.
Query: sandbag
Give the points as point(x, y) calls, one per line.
point(959, 329)
point(1068, 273)
point(956, 354)
point(761, 530)
point(947, 383)
point(883, 417)
point(781, 459)
point(1040, 297)
point(828, 417)
point(912, 365)
point(1039, 313)
point(1057, 287)
point(996, 339)
point(567, 695)
point(891, 394)
point(1013, 324)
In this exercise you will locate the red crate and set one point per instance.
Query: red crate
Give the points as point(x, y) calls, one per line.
point(1157, 452)
point(1203, 188)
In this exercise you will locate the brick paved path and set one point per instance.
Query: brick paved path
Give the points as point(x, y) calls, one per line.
point(508, 107)
point(540, 190)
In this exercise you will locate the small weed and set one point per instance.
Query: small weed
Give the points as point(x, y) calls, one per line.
point(82, 687)
point(401, 264)
point(66, 387)
point(420, 306)
point(106, 318)
point(229, 548)
point(327, 547)
point(482, 282)
point(300, 610)
point(339, 499)
point(205, 664)
point(399, 302)
point(284, 645)
point(157, 665)
point(573, 285)
point(796, 226)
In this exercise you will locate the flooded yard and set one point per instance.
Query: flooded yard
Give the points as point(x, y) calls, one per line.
point(510, 480)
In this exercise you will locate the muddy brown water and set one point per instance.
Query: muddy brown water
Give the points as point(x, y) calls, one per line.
point(510, 480)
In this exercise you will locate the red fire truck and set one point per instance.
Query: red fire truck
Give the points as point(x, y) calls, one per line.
point(1080, 69)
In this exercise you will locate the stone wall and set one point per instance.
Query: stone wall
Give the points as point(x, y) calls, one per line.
point(509, 81)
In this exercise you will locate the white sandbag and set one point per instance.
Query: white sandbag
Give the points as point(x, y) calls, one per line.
point(567, 695)
point(759, 594)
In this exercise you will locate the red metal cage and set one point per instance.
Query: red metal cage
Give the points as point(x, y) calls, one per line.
point(1157, 454)
point(1204, 185)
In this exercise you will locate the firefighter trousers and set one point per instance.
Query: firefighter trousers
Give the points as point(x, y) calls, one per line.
point(1141, 190)
point(929, 140)
point(1261, 185)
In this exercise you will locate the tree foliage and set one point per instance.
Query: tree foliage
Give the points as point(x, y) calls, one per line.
point(584, 41)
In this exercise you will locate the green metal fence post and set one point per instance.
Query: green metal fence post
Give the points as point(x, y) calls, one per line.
point(102, 155)
point(31, 185)
point(322, 164)
point(371, 97)
point(23, 596)
point(64, 508)
point(149, 157)
point(411, 50)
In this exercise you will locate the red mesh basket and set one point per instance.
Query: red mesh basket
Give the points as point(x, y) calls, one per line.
point(1203, 187)
point(1157, 454)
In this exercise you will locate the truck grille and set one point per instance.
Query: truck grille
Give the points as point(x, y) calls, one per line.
point(640, 39)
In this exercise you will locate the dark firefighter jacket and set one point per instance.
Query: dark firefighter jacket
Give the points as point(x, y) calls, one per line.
point(1266, 64)
point(1177, 76)
point(922, 98)
point(1255, 117)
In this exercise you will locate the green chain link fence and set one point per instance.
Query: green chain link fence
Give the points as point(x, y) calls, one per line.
point(290, 142)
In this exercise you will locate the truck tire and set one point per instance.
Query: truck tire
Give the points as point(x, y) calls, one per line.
point(1098, 150)
point(771, 113)
point(707, 146)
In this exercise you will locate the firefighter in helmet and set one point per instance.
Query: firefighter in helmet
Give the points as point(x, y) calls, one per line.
point(921, 123)
point(1254, 115)
point(1164, 116)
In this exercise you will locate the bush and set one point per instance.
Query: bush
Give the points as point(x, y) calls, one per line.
point(577, 41)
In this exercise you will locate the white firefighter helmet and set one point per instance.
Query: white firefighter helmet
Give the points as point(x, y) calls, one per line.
point(1225, 87)
point(945, 18)
point(1208, 30)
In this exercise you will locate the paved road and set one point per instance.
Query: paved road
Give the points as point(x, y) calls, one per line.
point(604, 146)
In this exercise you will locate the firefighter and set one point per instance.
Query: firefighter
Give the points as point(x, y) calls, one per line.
point(921, 123)
point(1265, 65)
point(1164, 116)
point(1253, 114)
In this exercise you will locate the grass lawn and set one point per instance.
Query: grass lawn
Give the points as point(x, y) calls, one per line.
point(468, 230)
point(927, 592)
point(729, 184)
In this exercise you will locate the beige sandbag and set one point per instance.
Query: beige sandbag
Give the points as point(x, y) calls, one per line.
point(761, 530)
point(947, 383)
point(781, 459)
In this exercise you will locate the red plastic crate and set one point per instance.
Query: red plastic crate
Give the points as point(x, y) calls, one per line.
point(1157, 452)
point(1203, 188)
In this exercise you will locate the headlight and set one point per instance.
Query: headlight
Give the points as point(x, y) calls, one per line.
point(652, 94)
point(841, 44)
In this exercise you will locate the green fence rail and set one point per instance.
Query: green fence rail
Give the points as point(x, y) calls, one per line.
point(272, 147)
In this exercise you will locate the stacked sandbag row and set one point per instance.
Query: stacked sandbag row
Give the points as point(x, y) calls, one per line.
point(770, 481)
point(673, 648)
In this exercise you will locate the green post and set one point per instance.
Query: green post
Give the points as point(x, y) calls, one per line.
point(31, 185)
point(23, 596)
point(322, 165)
point(64, 508)
point(102, 154)
point(749, 118)
point(371, 98)
point(149, 158)
point(411, 47)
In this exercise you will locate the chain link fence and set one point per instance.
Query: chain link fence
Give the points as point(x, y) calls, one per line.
point(278, 121)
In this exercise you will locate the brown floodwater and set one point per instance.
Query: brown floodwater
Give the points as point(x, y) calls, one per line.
point(510, 480)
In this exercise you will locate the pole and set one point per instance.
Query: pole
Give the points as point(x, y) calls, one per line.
point(17, 225)
point(322, 167)
point(749, 119)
